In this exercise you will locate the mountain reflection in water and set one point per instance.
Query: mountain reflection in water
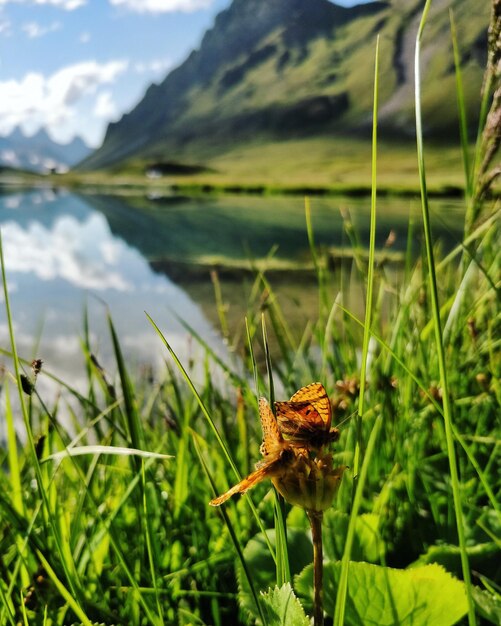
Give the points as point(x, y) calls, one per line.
point(65, 252)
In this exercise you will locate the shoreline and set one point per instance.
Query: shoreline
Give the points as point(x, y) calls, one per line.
point(195, 188)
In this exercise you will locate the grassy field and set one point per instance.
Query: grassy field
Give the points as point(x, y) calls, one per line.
point(320, 165)
point(104, 497)
point(105, 538)
point(326, 165)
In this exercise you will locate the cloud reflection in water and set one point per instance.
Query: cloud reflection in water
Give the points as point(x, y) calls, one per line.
point(62, 257)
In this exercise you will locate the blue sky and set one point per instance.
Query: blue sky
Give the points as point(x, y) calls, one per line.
point(73, 66)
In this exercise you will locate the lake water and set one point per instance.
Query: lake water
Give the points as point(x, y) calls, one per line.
point(127, 255)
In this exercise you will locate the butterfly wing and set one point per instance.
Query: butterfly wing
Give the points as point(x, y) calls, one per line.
point(245, 484)
point(298, 420)
point(307, 415)
point(316, 395)
point(266, 468)
point(276, 455)
point(272, 438)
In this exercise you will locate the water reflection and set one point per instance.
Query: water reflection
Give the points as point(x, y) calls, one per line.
point(61, 256)
point(247, 227)
point(64, 252)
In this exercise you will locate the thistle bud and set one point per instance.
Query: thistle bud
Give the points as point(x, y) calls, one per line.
point(310, 482)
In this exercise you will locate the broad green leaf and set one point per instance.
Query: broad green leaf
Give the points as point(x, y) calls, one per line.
point(282, 608)
point(420, 596)
point(366, 546)
point(449, 556)
point(261, 564)
point(488, 605)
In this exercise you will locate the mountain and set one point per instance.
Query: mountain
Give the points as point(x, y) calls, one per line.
point(40, 153)
point(272, 70)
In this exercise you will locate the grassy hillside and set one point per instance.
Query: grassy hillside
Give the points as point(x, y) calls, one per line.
point(281, 72)
point(329, 163)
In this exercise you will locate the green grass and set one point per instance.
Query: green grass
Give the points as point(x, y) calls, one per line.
point(94, 532)
point(332, 164)
point(135, 539)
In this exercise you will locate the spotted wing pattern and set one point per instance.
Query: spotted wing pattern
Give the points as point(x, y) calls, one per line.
point(316, 395)
point(307, 416)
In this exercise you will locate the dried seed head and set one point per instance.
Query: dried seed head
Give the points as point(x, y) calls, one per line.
point(27, 385)
point(472, 327)
point(36, 366)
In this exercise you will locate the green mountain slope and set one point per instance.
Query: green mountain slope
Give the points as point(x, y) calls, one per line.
point(275, 70)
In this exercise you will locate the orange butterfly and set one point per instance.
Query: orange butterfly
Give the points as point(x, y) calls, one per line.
point(306, 418)
point(276, 452)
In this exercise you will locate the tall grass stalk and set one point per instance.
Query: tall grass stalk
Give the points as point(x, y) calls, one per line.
point(370, 276)
point(463, 122)
point(213, 427)
point(282, 553)
point(199, 400)
point(317, 264)
point(339, 614)
point(435, 307)
point(233, 535)
point(15, 477)
point(358, 479)
point(66, 561)
point(490, 104)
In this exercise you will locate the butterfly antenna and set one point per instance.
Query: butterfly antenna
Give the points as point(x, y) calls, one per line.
point(346, 419)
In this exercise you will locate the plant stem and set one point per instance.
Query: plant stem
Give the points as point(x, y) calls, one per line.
point(435, 306)
point(315, 518)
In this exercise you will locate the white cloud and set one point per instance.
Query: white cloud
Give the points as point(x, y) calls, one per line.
point(157, 66)
point(33, 29)
point(67, 5)
point(50, 101)
point(105, 107)
point(72, 82)
point(84, 37)
point(9, 157)
point(5, 27)
point(162, 6)
point(70, 251)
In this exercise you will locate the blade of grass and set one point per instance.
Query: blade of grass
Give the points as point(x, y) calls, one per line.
point(15, 473)
point(231, 530)
point(339, 613)
point(220, 306)
point(282, 554)
point(99, 449)
point(435, 306)
point(149, 544)
point(463, 125)
point(269, 367)
point(65, 593)
point(370, 278)
point(359, 481)
point(7, 613)
point(23, 610)
point(319, 267)
point(255, 372)
point(68, 567)
point(131, 412)
point(282, 330)
point(212, 426)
